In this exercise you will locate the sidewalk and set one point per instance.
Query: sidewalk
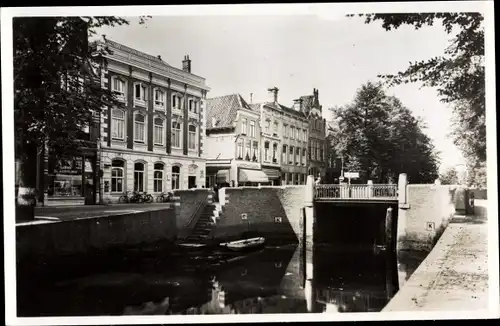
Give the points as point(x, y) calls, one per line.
point(454, 276)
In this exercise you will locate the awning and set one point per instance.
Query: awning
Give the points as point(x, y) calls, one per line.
point(252, 176)
point(272, 174)
point(222, 176)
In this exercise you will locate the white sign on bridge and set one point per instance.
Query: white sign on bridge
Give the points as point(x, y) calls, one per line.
point(351, 175)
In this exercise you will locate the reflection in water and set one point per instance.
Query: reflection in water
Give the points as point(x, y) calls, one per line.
point(268, 281)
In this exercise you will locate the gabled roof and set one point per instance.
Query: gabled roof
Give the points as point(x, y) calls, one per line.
point(224, 110)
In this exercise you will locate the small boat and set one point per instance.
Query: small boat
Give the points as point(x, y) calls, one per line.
point(192, 245)
point(245, 244)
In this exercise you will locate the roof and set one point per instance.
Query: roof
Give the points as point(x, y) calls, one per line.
point(224, 110)
point(134, 51)
point(307, 103)
point(285, 109)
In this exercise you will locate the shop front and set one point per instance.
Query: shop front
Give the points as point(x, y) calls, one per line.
point(218, 172)
point(250, 174)
point(235, 173)
point(273, 174)
point(72, 180)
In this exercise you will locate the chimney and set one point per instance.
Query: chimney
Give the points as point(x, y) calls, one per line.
point(186, 64)
point(251, 94)
point(273, 94)
point(159, 57)
point(298, 104)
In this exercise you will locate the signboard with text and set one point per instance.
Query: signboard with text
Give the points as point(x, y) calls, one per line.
point(351, 175)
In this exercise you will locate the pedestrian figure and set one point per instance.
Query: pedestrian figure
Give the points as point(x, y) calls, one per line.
point(216, 193)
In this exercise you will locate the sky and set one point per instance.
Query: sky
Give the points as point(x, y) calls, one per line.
point(249, 54)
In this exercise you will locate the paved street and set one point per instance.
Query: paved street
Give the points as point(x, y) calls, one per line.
point(73, 212)
point(454, 276)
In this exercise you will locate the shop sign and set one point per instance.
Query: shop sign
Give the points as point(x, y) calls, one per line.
point(249, 166)
point(69, 166)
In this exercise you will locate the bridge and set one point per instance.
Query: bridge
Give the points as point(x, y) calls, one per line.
point(361, 193)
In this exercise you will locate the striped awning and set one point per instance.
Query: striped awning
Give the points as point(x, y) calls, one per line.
point(272, 174)
point(252, 176)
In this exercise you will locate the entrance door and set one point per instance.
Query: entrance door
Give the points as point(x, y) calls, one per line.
point(191, 182)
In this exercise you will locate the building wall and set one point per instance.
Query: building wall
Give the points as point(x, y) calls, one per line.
point(281, 136)
point(188, 167)
point(317, 146)
point(220, 146)
point(245, 136)
point(186, 87)
point(426, 215)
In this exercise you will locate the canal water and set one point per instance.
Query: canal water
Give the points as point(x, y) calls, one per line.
point(271, 280)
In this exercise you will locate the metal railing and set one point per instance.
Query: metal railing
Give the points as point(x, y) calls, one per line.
point(365, 191)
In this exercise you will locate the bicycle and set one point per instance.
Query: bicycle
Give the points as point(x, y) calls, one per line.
point(134, 198)
point(124, 198)
point(163, 198)
point(147, 198)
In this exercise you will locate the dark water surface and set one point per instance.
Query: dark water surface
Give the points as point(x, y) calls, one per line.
point(271, 280)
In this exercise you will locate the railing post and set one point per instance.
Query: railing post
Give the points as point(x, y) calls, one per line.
point(388, 229)
point(309, 225)
point(370, 188)
point(402, 183)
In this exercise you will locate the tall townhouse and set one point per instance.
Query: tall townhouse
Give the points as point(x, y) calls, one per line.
point(233, 143)
point(154, 141)
point(317, 150)
point(284, 141)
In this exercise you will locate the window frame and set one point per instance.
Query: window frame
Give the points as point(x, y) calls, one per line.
point(162, 133)
point(179, 137)
point(144, 127)
point(158, 90)
point(192, 137)
point(122, 177)
point(137, 173)
point(122, 120)
point(157, 180)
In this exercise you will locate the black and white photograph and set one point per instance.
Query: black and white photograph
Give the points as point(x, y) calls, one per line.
point(249, 163)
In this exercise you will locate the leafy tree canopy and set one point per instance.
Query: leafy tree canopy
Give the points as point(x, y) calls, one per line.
point(57, 87)
point(378, 136)
point(458, 75)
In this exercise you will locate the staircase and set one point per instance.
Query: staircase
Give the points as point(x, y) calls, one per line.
point(204, 226)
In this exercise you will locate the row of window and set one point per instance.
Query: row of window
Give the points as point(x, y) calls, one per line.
point(118, 177)
point(316, 150)
point(118, 86)
point(249, 151)
point(244, 127)
point(118, 129)
point(291, 132)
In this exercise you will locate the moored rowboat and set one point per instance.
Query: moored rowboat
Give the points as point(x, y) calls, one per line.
point(243, 244)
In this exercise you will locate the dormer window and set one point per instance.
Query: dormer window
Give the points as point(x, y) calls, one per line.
point(159, 98)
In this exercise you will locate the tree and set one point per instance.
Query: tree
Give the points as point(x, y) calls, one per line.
point(458, 75)
point(449, 177)
point(56, 86)
point(379, 137)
